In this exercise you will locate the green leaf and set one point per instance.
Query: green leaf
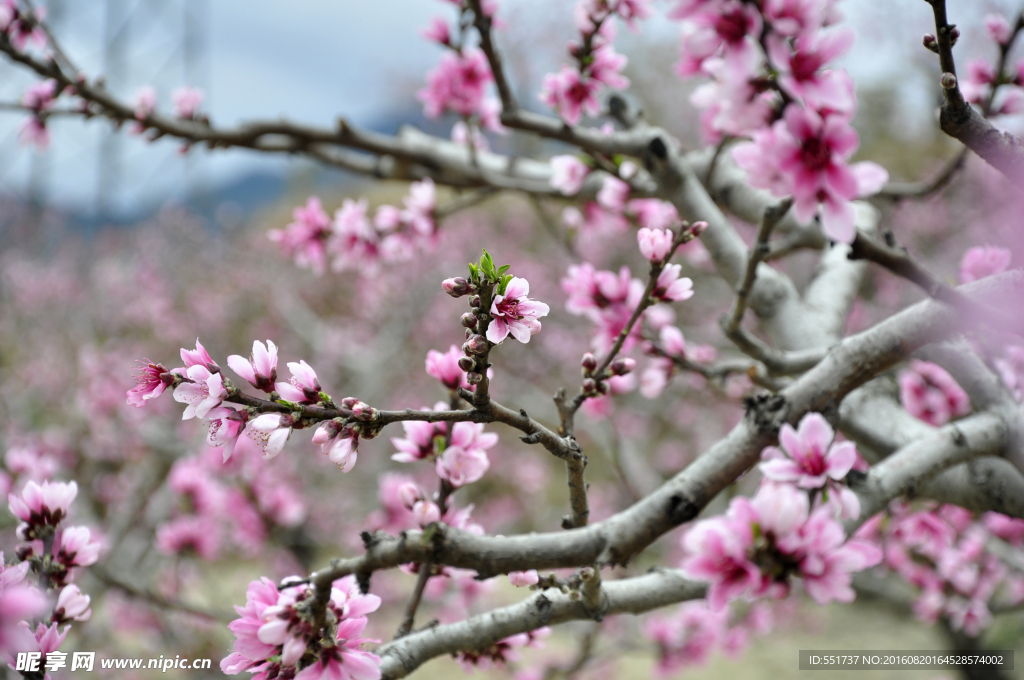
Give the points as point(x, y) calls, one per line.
point(503, 268)
point(428, 534)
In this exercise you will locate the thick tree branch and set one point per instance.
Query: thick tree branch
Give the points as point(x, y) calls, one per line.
point(628, 596)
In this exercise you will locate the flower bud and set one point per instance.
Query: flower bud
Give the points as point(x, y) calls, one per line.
point(589, 363)
point(426, 513)
point(589, 386)
point(408, 494)
point(349, 402)
point(954, 35)
point(469, 320)
point(456, 287)
point(623, 366)
point(931, 43)
point(948, 81)
point(602, 387)
point(476, 344)
point(474, 378)
point(475, 301)
point(364, 412)
point(698, 228)
point(467, 364)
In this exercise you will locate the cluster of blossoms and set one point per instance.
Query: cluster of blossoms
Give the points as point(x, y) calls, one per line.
point(206, 393)
point(944, 552)
point(53, 554)
point(795, 109)
point(460, 457)
point(761, 543)
point(276, 636)
point(22, 29)
point(930, 393)
point(687, 637)
point(38, 98)
point(227, 504)
point(609, 299)
point(980, 80)
point(352, 240)
point(574, 90)
point(460, 81)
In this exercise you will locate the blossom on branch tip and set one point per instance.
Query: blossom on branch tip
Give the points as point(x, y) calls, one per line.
point(512, 312)
point(43, 504)
point(199, 357)
point(260, 369)
point(151, 381)
point(655, 244)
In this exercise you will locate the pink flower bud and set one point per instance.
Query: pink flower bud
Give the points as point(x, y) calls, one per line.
point(589, 386)
point(477, 344)
point(931, 43)
point(474, 301)
point(426, 513)
point(623, 366)
point(589, 363)
point(456, 287)
point(698, 228)
point(948, 81)
point(467, 364)
point(469, 320)
point(409, 494)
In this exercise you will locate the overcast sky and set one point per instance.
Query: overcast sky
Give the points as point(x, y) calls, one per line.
point(313, 60)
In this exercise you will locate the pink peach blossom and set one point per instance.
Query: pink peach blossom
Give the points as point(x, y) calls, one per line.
point(445, 368)
point(303, 387)
point(981, 261)
point(812, 457)
point(514, 313)
point(569, 173)
point(654, 243)
point(928, 392)
point(260, 369)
